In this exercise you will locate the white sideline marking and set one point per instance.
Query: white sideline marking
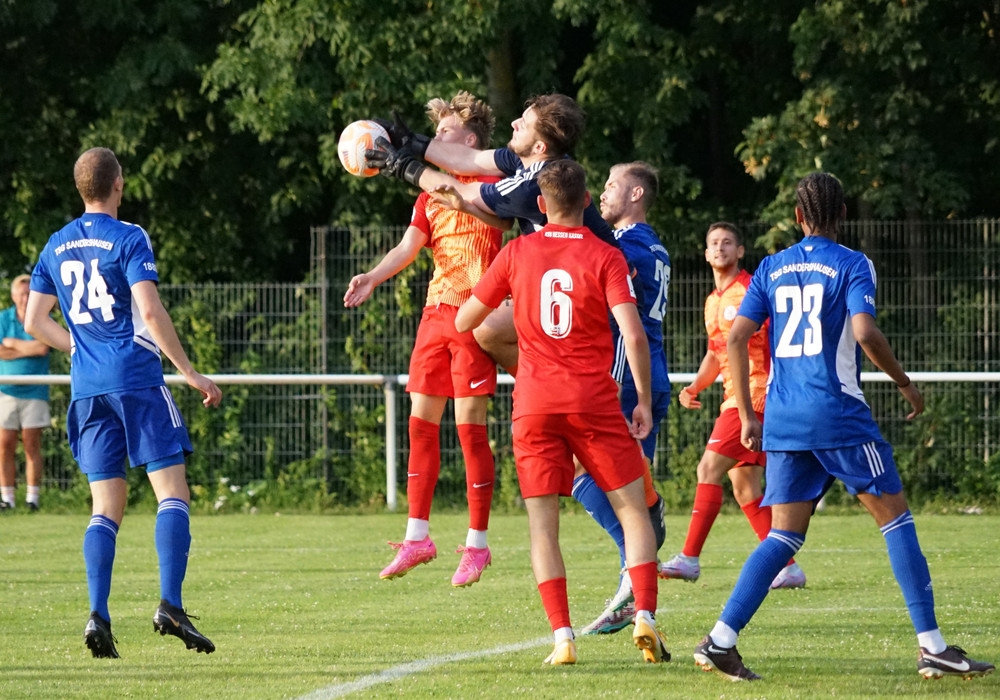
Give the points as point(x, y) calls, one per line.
point(393, 674)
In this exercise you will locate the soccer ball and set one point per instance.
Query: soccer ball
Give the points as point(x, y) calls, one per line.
point(354, 140)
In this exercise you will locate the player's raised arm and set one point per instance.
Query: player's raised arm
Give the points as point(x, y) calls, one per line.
point(406, 251)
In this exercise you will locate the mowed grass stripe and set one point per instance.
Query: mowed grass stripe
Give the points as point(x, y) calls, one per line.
point(296, 609)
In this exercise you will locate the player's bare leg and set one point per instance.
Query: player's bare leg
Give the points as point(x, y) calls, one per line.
point(629, 503)
point(497, 337)
point(550, 574)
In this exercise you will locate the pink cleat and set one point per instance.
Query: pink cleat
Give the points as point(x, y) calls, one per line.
point(474, 562)
point(410, 554)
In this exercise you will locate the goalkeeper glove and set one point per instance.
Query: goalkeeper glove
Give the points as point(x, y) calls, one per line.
point(401, 136)
point(396, 163)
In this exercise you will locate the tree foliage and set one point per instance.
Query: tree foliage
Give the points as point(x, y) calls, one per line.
point(226, 113)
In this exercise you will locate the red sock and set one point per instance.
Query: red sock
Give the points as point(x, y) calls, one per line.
point(424, 466)
point(647, 484)
point(707, 504)
point(555, 601)
point(644, 585)
point(760, 519)
point(479, 473)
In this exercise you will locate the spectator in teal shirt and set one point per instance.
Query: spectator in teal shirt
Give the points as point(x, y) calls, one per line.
point(24, 408)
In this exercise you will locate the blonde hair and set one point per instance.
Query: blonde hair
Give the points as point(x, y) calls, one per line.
point(475, 115)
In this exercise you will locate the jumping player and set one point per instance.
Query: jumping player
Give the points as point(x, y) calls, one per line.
point(103, 274)
point(444, 363)
point(820, 299)
point(563, 280)
point(724, 453)
point(546, 132)
point(629, 192)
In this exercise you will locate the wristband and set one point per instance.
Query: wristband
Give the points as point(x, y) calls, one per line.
point(903, 386)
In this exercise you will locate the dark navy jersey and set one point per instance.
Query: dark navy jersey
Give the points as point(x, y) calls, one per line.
point(516, 197)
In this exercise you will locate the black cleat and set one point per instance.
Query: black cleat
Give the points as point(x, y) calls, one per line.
point(728, 662)
point(32, 507)
point(656, 518)
point(4, 506)
point(175, 621)
point(98, 638)
point(951, 662)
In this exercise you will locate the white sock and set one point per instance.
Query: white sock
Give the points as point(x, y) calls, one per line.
point(563, 633)
point(645, 615)
point(7, 494)
point(932, 641)
point(32, 496)
point(417, 529)
point(723, 635)
point(476, 538)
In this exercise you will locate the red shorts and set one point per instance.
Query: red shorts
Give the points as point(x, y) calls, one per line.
point(725, 439)
point(544, 446)
point(445, 362)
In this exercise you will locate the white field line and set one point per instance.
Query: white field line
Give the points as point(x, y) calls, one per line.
point(395, 673)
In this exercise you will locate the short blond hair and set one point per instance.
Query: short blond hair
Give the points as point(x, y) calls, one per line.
point(475, 115)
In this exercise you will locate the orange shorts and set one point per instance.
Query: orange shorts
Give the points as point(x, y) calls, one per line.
point(725, 439)
point(544, 446)
point(445, 362)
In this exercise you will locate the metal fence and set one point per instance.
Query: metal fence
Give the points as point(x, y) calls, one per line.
point(937, 304)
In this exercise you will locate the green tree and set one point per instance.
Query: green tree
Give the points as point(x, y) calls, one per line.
point(126, 74)
point(898, 98)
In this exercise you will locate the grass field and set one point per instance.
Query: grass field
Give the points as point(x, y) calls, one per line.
point(296, 609)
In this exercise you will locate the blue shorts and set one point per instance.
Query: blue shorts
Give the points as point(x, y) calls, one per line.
point(806, 475)
point(141, 424)
point(661, 404)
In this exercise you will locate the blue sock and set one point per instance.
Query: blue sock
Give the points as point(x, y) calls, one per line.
point(99, 559)
point(173, 540)
point(763, 564)
point(596, 502)
point(910, 568)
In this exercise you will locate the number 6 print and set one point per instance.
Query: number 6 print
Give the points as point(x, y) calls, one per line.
point(556, 307)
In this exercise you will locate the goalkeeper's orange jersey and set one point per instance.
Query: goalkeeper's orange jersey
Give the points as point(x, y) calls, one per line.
point(462, 245)
point(720, 312)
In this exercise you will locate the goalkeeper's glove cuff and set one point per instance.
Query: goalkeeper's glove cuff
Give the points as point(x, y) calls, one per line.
point(412, 171)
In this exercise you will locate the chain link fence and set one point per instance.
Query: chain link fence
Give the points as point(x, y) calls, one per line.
point(937, 304)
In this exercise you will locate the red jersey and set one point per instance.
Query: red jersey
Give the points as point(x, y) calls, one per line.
point(720, 312)
point(463, 247)
point(562, 281)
